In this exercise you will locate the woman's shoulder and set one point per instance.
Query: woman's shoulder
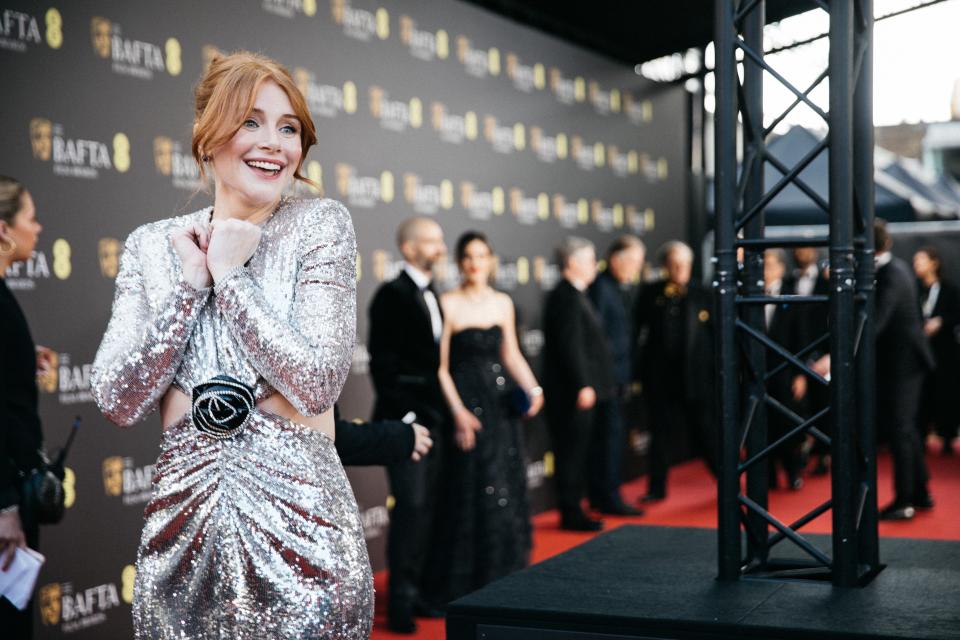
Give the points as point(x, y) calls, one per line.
point(160, 229)
point(324, 210)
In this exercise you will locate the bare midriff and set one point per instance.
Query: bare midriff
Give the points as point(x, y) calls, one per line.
point(176, 404)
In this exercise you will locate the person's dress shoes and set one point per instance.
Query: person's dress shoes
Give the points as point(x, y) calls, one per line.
point(653, 496)
point(424, 610)
point(924, 502)
point(581, 523)
point(619, 509)
point(896, 511)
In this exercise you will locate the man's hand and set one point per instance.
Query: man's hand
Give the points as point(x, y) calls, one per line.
point(586, 398)
point(11, 537)
point(422, 442)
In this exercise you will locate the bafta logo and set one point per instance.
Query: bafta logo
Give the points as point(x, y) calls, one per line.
point(383, 23)
point(174, 60)
point(380, 260)
point(47, 381)
point(163, 155)
point(108, 252)
point(410, 184)
point(436, 115)
point(376, 100)
point(466, 194)
point(343, 173)
point(121, 152)
point(416, 112)
point(406, 29)
point(349, 97)
point(309, 7)
point(301, 77)
point(209, 54)
point(41, 138)
point(386, 186)
point(113, 476)
point(336, 10)
point(50, 603)
point(100, 33)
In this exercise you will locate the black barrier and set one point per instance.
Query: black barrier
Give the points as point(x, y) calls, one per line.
point(437, 108)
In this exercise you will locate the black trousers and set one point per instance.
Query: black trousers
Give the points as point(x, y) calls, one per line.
point(607, 453)
point(571, 431)
point(673, 413)
point(415, 487)
point(897, 418)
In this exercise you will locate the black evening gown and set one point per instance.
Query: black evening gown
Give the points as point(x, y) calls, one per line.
point(484, 529)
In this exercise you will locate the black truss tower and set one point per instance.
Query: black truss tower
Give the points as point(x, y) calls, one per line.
point(747, 358)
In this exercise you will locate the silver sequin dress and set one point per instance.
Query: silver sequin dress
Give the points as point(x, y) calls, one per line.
point(257, 536)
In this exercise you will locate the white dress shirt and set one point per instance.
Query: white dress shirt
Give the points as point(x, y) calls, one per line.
point(423, 281)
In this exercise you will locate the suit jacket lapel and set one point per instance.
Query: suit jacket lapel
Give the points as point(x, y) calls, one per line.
point(414, 291)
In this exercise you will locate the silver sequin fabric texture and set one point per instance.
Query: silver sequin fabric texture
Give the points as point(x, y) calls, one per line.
point(257, 536)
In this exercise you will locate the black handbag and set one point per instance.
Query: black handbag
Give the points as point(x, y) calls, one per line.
point(42, 498)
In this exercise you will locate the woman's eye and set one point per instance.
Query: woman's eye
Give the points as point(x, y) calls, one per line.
point(250, 123)
point(289, 129)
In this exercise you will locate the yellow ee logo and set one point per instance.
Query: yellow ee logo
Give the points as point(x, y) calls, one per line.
point(416, 113)
point(470, 125)
point(174, 62)
point(383, 24)
point(61, 259)
point(309, 7)
point(386, 186)
point(443, 44)
point(349, 97)
point(497, 196)
point(127, 579)
point(54, 28)
point(446, 194)
point(121, 152)
point(69, 487)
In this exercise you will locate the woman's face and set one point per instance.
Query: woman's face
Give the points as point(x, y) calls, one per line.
point(476, 263)
point(23, 231)
point(257, 164)
point(923, 266)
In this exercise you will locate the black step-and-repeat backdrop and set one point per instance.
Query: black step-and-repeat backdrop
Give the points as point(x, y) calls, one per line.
point(422, 107)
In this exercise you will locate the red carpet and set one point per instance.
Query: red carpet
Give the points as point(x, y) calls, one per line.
point(692, 503)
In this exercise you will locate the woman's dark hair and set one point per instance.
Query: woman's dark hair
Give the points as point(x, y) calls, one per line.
point(934, 256)
point(11, 198)
point(466, 239)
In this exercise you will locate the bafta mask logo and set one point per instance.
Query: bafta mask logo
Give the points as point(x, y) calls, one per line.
point(127, 580)
point(516, 197)
point(615, 100)
point(466, 194)
point(543, 206)
point(375, 94)
point(576, 144)
point(470, 125)
point(595, 207)
point(512, 62)
point(536, 135)
point(593, 90)
point(598, 154)
point(336, 10)
point(50, 603)
point(100, 33)
point(554, 78)
point(489, 127)
point(558, 204)
point(498, 201)
point(493, 61)
point(48, 381)
point(539, 76)
point(113, 476)
point(443, 44)
point(163, 155)
point(108, 252)
point(54, 23)
point(437, 111)
point(343, 173)
point(380, 260)
point(561, 145)
point(383, 23)
point(209, 54)
point(539, 266)
point(309, 7)
point(41, 138)
point(446, 194)
point(301, 77)
point(410, 184)
point(519, 137)
point(416, 113)
point(406, 29)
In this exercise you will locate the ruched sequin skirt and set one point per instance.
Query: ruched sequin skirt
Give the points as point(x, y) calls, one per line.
point(252, 537)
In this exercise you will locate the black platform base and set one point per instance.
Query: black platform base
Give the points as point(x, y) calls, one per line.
point(658, 582)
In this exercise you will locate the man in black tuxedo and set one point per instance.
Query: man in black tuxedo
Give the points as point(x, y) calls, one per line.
point(577, 372)
point(903, 360)
point(405, 327)
point(674, 328)
point(613, 296)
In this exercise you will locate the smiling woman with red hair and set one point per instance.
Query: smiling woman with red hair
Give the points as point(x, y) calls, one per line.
point(238, 323)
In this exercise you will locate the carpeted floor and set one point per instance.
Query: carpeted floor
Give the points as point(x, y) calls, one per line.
point(692, 503)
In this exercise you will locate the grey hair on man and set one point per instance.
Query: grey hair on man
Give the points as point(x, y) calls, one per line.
point(570, 246)
point(671, 247)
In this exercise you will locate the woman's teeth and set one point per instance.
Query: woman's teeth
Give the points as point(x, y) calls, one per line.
point(265, 166)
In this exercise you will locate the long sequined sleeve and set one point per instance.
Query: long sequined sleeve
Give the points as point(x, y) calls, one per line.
point(142, 348)
point(305, 356)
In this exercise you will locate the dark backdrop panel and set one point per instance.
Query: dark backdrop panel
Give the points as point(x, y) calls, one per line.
point(421, 106)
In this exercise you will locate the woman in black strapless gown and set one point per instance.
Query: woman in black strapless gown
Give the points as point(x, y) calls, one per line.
point(484, 531)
